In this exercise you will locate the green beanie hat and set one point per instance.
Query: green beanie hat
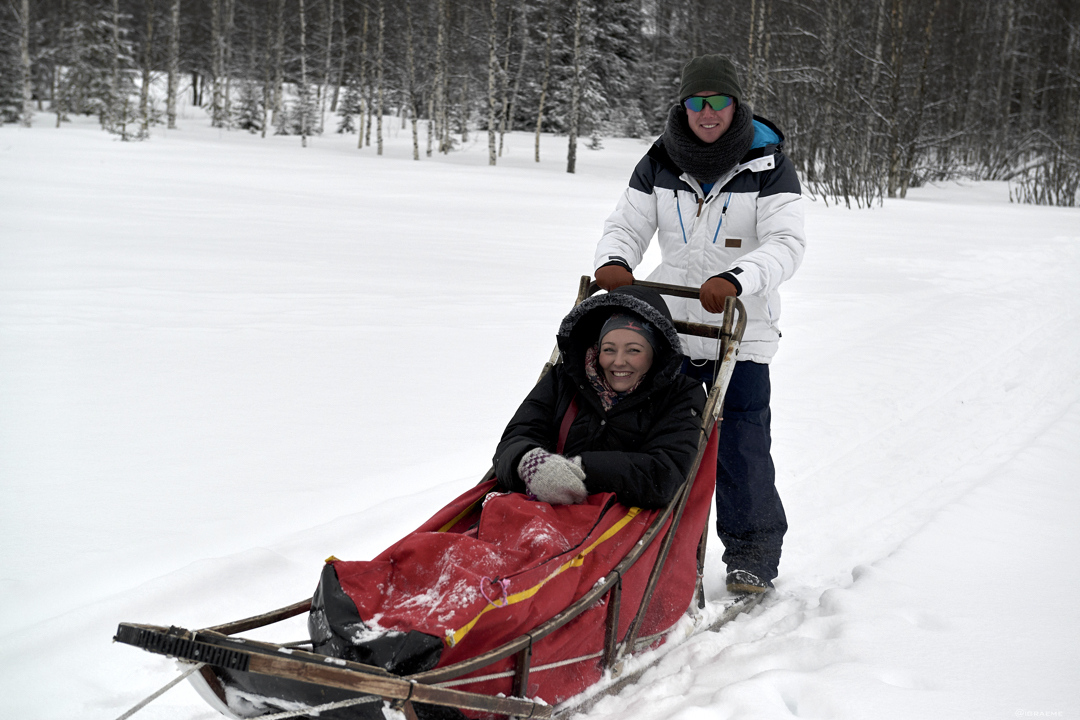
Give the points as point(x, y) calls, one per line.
point(710, 73)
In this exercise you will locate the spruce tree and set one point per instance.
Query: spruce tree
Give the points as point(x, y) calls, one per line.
point(351, 105)
point(251, 111)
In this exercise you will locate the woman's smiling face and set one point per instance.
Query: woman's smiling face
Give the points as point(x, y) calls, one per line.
point(625, 357)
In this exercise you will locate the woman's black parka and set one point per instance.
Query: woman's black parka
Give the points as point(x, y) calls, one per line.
point(643, 447)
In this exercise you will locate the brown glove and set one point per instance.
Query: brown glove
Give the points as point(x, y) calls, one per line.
point(713, 293)
point(610, 277)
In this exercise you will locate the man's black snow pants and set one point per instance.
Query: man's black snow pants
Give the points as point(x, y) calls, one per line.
point(750, 517)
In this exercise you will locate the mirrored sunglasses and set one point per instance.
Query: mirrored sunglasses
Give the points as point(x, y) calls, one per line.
point(716, 102)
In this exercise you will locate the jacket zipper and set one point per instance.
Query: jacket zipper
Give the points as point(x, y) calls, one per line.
point(723, 212)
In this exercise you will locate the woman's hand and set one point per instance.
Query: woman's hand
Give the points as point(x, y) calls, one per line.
point(553, 478)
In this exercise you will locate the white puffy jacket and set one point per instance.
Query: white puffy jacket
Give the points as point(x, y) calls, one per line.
point(749, 227)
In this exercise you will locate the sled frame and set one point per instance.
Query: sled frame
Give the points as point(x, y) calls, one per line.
point(216, 647)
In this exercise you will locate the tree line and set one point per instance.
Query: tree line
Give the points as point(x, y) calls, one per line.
point(874, 96)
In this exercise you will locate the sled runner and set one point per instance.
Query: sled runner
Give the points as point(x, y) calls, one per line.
point(597, 583)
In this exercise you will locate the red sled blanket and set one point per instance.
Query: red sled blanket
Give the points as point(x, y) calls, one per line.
point(489, 567)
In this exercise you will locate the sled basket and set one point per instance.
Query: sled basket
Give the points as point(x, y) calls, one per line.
point(626, 584)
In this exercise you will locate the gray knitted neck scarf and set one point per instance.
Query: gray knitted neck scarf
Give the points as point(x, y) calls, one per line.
point(706, 162)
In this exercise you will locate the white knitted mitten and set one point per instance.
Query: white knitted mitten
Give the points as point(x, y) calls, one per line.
point(553, 478)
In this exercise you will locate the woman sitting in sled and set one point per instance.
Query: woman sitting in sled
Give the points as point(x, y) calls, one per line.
point(615, 416)
point(609, 432)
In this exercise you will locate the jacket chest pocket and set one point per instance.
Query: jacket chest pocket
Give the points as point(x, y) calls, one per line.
point(736, 227)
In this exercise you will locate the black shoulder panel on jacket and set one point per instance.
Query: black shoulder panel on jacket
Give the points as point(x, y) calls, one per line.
point(660, 154)
point(657, 170)
point(781, 179)
point(644, 176)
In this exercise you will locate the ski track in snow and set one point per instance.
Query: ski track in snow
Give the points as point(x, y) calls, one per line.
point(223, 359)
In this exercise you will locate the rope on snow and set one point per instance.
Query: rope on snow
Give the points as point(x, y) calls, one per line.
point(276, 716)
point(169, 686)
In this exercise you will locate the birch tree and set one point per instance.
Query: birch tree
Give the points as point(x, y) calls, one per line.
point(278, 117)
point(226, 58)
point(111, 118)
point(442, 119)
point(369, 90)
point(304, 103)
point(493, 73)
point(547, 74)
point(379, 59)
point(575, 92)
point(24, 58)
point(217, 69)
point(174, 64)
point(344, 53)
point(509, 99)
point(411, 60)
point(324, 90)
point(365, 103)
point(144, 91)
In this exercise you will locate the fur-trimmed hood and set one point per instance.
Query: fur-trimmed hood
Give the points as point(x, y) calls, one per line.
point(581, 327)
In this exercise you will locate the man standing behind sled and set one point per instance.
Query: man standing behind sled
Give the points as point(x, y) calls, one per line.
point(726, 207)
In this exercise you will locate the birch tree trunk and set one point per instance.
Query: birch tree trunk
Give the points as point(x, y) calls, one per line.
point(364, 103)
point(144, 91)
point(504, 78)
point(114, 74)
point(442, 119)
point(430, 124)
point(370, 103)
point(765, 35)
point(215, 62)
point(575, 93)
point(547, 77)
point(411, 60)
point(24, 55)
point(226, 62)
point(174, 64)
point(328, 14)
point(60, 103)
point(465, 109)
point(341, 55)
point(305, 99)
point(382, 37)
point(493, 72)
point(279, 62)
point(267, 90)
point(750, 63)
point(758, 53)
point(510, 102)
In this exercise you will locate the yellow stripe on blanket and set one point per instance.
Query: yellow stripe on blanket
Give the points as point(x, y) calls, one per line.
point(461, 516)
point(454, 637)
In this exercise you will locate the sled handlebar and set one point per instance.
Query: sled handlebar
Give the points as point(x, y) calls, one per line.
point(683, 291)
point(588, 288)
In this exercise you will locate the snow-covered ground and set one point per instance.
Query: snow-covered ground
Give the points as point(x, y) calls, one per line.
point(224, 358)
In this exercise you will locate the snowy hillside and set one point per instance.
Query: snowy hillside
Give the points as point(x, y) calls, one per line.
point(224, 358)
